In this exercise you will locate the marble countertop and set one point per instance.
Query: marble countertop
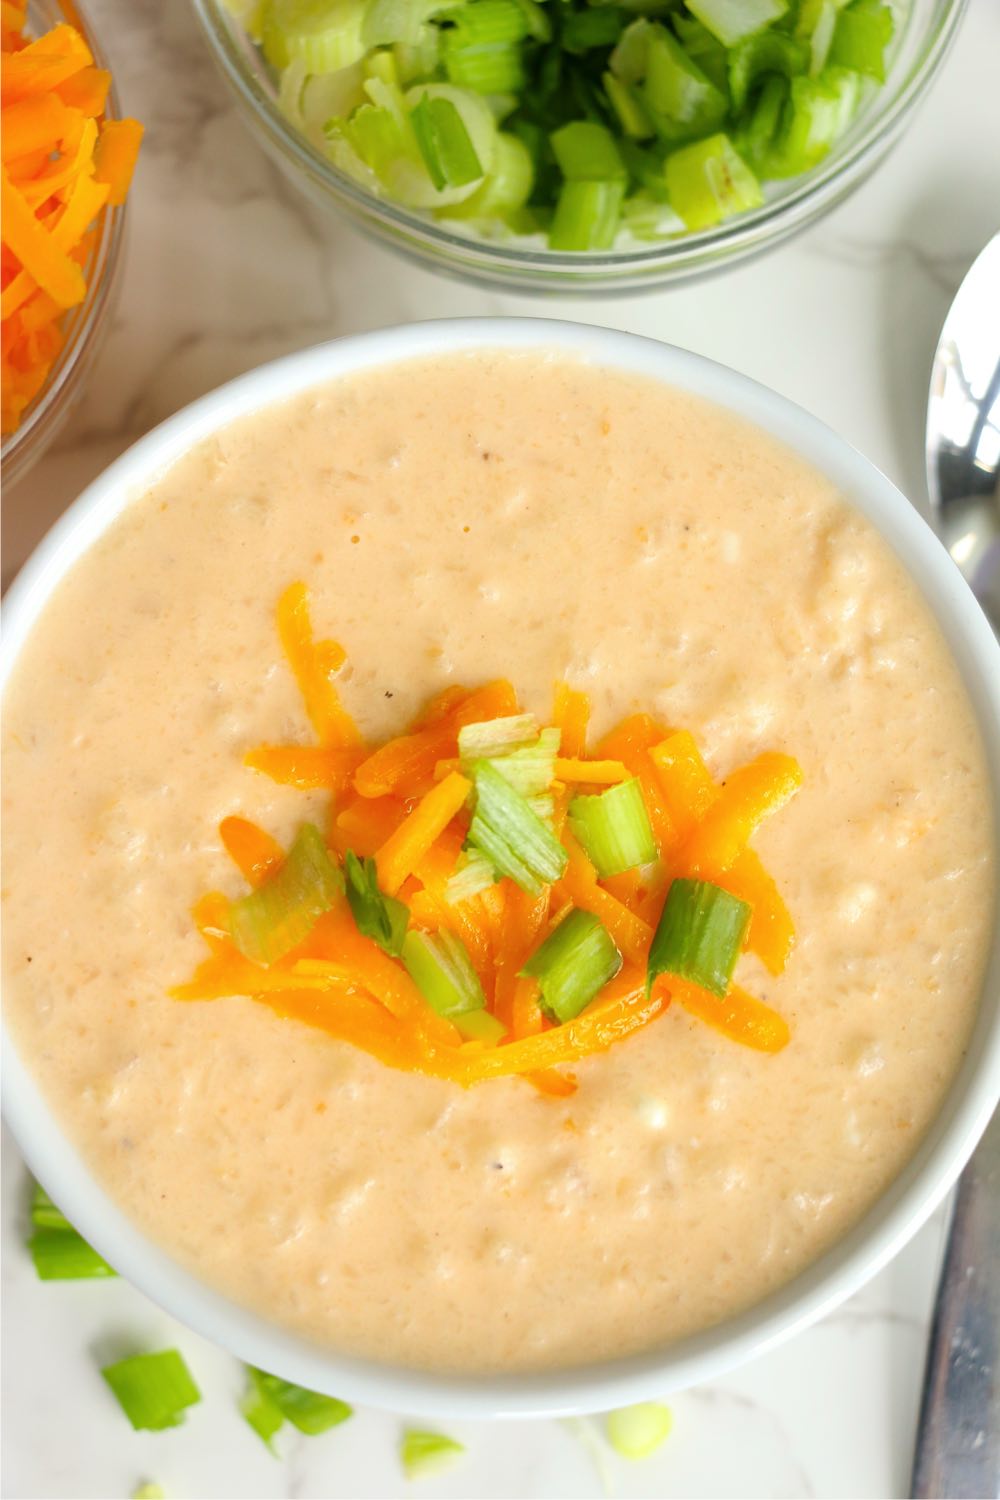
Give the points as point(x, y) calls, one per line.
point(227, 267)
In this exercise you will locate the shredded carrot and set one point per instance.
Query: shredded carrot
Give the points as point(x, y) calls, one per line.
point(406, 766)
point(738, 1016)
point(386, 803)
point(597, 772)
point(571, 716)
point(748, 795)
point(412, 839)
point(253, 851)
point(308, 767)
point(53, 139)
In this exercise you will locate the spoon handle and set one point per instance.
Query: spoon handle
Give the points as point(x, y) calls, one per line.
point(958, 1440)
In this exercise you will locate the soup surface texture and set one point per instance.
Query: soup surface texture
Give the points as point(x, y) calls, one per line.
point(476, 516)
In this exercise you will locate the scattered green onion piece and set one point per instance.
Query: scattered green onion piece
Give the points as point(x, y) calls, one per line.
point(698, 936)
point(574, 963)
point(149, 1491)
point(448, 153)
point(587, 215)
point(682, 99)
point(635, 1432)
point(472, 874)
point(709, 181)
point(379, 917)
point(153, 1390)
point(614, 828)
point(600, 26)
point(324, 35)
point(733, 20)
point(493, 737)
point(512, 837)
point(861, 36)
point(269, 922)
point(64, 1255)
point(425, 1453)
point(440, 967)
point(480, 1026)
point(586, 152)
point(260, 1411)
point(44, 1214)
point(310, 1411)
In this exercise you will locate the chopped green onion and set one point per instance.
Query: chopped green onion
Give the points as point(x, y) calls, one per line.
point(637, 1431)
point(699, 934)
point(472, 874)
point(818, 112)
point(480, 1026)
point(440, 967)
point(490, 21)
point(512, 837)
point(59, 1253)
point(64, 1255)
point(682, 99)
point(486, 67)
point(423, 1453)
point(324, 35)
point(153, 1390)
point(506, 189)
point(733, 20)
point(587, 215)
point(586, 152)
point(709, 181)
point(574, 963)
point(757, 140)
point(493, 737)
point(381, 918)
point(632, 115)
point(260, 1411)
point(149, 1491)
point(629, 59)
point(861, 36)
point(310, 1411)
point(388, 22)
point(273, 919)
point(614, 828)
point(44, 1214)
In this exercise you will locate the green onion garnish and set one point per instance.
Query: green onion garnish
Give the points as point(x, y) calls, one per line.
point(587, 215)
point(710, 181)
point(323, 35)
point(58, 1251)
point(270, 1401)
point(512, 837)
point(272, 920)
point(524, 758)
point(860, 37)
point(153, 1390)
point(493, 737)
point(473, 873)
point(381, 918)
point(575, 962)
point(440, 967)
point(637, 1431)
point(699, 934)
point(423, 1453)
point(733, 20)
point(614, 828)
point(149, 1491)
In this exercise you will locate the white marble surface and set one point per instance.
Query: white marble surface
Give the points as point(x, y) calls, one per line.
point(226, 268)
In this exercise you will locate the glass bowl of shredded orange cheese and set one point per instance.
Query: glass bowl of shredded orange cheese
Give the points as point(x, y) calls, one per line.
point(68, 160)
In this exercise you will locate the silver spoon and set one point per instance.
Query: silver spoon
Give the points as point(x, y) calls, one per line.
point(958, 1438)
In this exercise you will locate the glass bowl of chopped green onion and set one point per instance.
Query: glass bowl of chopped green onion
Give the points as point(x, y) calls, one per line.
point(557, 144)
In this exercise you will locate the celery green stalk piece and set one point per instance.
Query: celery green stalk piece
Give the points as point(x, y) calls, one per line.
point(709, 181)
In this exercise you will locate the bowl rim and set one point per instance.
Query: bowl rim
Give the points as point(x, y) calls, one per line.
point(900, 1210)
point(873, 133)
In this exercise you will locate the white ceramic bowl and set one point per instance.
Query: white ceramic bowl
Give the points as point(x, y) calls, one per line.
point(896, 1215)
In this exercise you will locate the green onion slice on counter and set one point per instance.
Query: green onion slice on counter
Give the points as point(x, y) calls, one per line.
point(637, 1431)
point(59, 1253)
point(270, 1401)
point(153, 1390)
point(424, 1453)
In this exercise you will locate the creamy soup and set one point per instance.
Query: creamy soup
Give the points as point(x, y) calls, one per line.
point(457, 520)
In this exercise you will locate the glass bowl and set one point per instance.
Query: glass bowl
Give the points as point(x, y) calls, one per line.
point(924, 35)
point(84, 326)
